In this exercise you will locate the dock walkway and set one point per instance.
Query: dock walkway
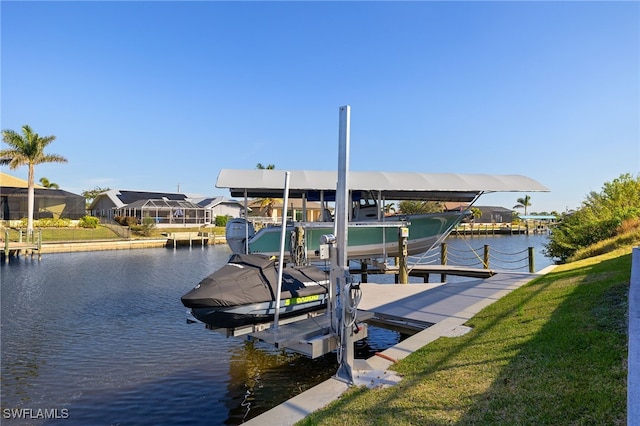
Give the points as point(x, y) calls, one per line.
point(445, 307)
point(13, 248)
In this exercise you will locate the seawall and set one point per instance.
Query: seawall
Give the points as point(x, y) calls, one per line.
point(73, 246)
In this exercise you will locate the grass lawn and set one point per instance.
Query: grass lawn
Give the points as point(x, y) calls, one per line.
point(552, 352)
point(100, 233)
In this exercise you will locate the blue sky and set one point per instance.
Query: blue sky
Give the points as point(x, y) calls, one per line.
point(161, 95)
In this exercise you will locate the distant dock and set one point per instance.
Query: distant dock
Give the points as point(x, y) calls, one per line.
point(175, 239)
point(16, 248)
point(534, 227)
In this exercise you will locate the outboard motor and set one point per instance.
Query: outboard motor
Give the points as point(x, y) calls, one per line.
point(237, 232)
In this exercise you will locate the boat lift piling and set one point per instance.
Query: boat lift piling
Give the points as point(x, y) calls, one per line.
point(283, 236)
point(343, 282)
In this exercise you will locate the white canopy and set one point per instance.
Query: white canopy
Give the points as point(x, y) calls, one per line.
point(391, 185)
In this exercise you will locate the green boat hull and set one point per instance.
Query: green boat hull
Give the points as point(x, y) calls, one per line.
point(364, 241)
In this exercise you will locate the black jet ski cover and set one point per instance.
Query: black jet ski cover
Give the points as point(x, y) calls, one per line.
point(252, 278)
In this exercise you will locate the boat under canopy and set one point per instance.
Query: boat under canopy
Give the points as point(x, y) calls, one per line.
point(371, 234)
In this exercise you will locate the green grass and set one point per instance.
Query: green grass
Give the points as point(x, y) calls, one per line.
point(67, 234)
point(99, 233)
point(552, 352)
point(629, 237)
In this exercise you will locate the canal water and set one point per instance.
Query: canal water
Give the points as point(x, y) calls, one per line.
point(101, 338)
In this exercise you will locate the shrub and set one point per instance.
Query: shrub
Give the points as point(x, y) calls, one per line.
point(221, 220)
point(47, 223)
point(88, 222)
point(148, 224)
point(126, 220)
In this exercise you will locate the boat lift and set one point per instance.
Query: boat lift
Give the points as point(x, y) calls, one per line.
point(342, 324)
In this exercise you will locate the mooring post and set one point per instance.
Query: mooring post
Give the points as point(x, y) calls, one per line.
point(443, 260)
point(403, 235)
point(485, 258)
point(532, 267)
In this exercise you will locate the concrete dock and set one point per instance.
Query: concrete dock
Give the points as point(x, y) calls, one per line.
point(446, 306)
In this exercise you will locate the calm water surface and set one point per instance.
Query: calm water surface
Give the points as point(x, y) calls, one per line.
point(103, 336)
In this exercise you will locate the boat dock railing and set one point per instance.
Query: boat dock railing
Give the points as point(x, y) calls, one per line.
point(483, 257)
point(480, 262)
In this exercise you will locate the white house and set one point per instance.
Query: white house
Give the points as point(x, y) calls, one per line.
point(220, 206)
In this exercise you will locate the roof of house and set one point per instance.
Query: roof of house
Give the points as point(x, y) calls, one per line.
point(210, 202)
point(40, 192)
point(14, 182)
point(163, 204)
point(122, 197)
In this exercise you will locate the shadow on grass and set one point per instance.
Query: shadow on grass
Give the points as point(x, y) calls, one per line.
point(551, 352)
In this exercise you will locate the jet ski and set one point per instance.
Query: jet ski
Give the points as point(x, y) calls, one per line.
point(244, 292)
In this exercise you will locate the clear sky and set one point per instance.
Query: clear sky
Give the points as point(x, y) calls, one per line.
point(162, 95)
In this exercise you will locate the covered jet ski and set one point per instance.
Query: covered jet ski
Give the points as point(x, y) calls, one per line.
point(244, 292)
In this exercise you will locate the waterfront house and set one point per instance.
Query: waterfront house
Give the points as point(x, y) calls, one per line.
point(48, 202)
point(166, 208)
point(221, 206)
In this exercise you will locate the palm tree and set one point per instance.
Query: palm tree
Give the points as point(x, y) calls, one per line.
point(476, 213)
point(523, 203)
point(27, 149)
point(389, 208)
point(45, 182)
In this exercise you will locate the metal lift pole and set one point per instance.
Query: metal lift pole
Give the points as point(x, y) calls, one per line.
point(345, 370)
point(283, 236)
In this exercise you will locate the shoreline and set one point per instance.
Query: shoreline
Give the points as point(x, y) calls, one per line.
point(84, 245)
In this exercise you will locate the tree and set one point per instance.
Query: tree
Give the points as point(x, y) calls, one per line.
point(45, 182)
point(93, 193)
point(259, 166)
point(523, 203)
point(476, 213)
point(419, 207)
point(27, 149)
point(600, 217)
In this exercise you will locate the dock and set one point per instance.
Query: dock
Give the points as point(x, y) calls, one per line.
point(10, 248)
point(175, 239)
point(15, 248)
point(406, 308)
